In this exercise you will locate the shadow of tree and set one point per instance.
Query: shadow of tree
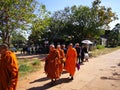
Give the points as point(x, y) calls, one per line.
point(49, 85)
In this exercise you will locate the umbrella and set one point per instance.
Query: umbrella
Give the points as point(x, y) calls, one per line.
point(87, 42)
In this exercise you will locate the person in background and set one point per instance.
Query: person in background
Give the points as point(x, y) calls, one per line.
point(52, 62)
point(64, 49)
point(83, 53)
point(78, 49)
point(71, 59)
point(86, 55)
point(62, 58)
point(8, 69)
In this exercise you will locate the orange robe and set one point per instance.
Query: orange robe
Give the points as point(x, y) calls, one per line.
point(52, 65)
point(8, 71)
point(62, 55)
point(70, 64)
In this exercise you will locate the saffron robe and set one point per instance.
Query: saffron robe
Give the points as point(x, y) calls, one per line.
point(62, 56)
point(71, 58)
point(8, 71)
point(52, 64)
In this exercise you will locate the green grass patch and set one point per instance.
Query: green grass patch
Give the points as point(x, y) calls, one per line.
point(27, 66)
point(98, 52)
point(100, 47)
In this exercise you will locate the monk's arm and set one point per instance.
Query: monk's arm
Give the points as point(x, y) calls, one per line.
point(13, 70)
point(63, 55)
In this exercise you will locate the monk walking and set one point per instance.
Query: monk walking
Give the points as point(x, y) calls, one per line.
point(71, 59)
point(52, 62)
point(8, 69)
point(62, 58)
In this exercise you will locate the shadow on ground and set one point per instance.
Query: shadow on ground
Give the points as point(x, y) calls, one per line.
point(49, 85)
point(40, 80)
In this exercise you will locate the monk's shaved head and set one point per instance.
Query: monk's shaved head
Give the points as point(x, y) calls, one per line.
point(52, 45)
point(4, 46)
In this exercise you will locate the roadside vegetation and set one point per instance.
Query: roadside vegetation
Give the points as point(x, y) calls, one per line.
point(101, 50)
point(27, 66)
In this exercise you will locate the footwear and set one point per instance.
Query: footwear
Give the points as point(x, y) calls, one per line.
point(71, 78)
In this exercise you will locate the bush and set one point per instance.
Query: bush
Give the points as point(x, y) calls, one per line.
point(25, 68)
point(36, 62)
point(100, 47)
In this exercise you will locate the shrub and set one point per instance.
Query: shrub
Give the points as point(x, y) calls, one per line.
point(36, 62)
point(25, 68)
point(100, 47)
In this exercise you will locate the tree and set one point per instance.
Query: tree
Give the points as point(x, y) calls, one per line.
point(15, 14)
point(39, 25)
point(81, 22)
point(18, 40)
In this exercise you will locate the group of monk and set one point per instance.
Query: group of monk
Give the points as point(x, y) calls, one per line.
point(57, 60)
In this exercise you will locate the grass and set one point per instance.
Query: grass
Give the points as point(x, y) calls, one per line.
point(98, 52)
point(27, 66)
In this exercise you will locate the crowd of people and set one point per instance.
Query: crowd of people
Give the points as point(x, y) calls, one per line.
point(67, 58)
point(32, 50)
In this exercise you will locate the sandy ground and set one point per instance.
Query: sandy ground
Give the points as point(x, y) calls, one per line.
point(101, 73)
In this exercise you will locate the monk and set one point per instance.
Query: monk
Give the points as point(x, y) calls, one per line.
point(52, 62)
point(71, 59)
point(62, 58)
point(8, 69)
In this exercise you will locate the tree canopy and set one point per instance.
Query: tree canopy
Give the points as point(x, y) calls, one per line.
point(73, 23)
point(15, 14)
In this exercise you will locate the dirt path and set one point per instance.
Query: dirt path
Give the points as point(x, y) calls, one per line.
point(101, 73)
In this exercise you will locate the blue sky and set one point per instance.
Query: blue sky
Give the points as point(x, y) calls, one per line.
point(54, 5)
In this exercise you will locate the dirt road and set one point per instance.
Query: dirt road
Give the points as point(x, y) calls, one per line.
point(101, 73)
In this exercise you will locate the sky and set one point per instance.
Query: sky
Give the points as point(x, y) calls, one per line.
point(54, 5)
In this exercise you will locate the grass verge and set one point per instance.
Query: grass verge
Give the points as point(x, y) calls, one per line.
point(98, 52)
point(27, 66)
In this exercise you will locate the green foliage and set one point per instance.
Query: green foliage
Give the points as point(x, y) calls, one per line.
point(25, 68)
point(36, 63)
point(98, 52)
point(113, 36)
point(100, 47)
point(15, 14)
point(81, 22)
point(18, 40)
point(39, 25)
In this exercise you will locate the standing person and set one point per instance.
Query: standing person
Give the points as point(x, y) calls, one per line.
point(52, 62)
point(62, 58)
point(83, 52)
point(71, 58)
point(86, 55)
point(64, 49)
point(8, 69)
point(78, 49)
